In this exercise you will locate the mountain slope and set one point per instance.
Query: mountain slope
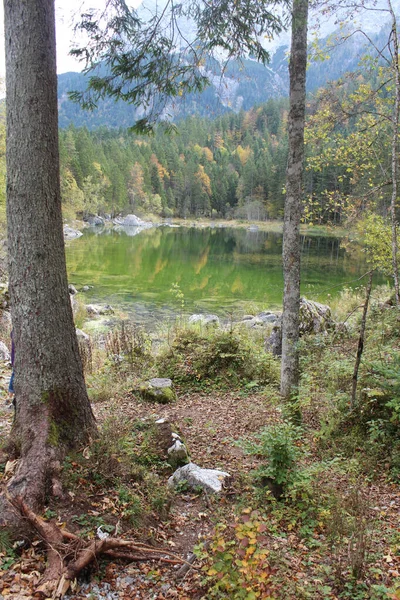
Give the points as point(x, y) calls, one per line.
point(241, 86)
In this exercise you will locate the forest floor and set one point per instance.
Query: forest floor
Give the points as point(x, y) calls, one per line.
point(295, 555)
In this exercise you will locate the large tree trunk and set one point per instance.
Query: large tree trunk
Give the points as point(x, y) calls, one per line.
point(294, 191)
point(53, 411)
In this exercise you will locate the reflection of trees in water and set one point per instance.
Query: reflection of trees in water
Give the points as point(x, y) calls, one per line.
point(213, 264)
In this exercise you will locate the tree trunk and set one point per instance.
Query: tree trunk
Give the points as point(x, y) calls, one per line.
point(294, 192)
point(53, 412)
point(395, 143)
point(361, 340)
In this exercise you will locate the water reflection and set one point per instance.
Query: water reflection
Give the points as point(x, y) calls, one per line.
point(217, 269)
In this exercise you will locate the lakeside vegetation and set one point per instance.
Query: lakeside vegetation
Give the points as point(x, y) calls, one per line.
point(312, 509)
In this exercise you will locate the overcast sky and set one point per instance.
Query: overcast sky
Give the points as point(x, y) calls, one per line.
point(64, 21)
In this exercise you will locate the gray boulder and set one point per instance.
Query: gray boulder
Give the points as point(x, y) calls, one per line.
point(4, 353)
point(95, 310)
point(131, 221)
point(252, 322)
point(314, 318)
point(95, 221)
point(158, 390)
point(72, 289)
point(268, 317)
point(273, 343)
point(263, 319)
point(210, 480)
point(205, 319)
point(70, 233)
point(82, 336)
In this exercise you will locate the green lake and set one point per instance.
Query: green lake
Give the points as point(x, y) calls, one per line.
point(218, 270)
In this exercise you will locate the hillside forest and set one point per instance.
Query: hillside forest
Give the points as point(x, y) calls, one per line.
point(234, 166)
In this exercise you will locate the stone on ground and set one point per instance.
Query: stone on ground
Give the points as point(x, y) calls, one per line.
point(210, 480)
point(159, 390)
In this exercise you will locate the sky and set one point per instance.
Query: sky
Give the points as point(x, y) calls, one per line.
point(64, 31)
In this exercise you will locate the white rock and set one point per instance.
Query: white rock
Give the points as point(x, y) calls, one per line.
point(204, 319)
point(4, 352)
point(210, 480)
point(178, 454)
point(71, 234)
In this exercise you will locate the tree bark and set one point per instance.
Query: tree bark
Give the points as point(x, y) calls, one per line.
point(395, 143)
point(294, 192)
point(53, 412)
point(361, 339)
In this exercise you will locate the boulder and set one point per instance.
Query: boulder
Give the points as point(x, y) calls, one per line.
point(314, 318)
point(82, 336)
point(252, 322)
point(263, 319)
point(207, 320)
point(95, 310)
point(268, 317)
point(169, 444)
point(94, 221)
point(72, 289)
point(273, 342)
point(70, 233)
point(4, 353)
point(131, 221)
point(210, 480)
point(158, 390)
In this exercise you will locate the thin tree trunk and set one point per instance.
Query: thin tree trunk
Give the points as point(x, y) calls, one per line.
point(53, 411)
point(361, 339)
point(294, 193)
point(395, 141)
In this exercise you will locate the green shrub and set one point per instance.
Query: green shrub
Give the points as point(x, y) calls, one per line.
point(278, 445)
point(217, 355)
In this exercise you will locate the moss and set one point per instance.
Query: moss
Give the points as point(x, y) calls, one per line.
point(164, 395)
point(45, 398)
point(53, 437)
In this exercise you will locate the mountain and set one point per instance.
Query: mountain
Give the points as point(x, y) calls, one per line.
point(240, 86)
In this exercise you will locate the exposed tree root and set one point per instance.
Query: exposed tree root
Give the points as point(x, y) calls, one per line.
point(68, 554)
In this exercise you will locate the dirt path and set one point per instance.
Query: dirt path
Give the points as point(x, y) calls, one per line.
point(210, 424)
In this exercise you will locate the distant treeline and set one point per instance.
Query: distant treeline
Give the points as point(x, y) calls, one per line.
point(233, 166)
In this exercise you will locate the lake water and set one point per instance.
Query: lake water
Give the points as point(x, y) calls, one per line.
point(218, 270)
